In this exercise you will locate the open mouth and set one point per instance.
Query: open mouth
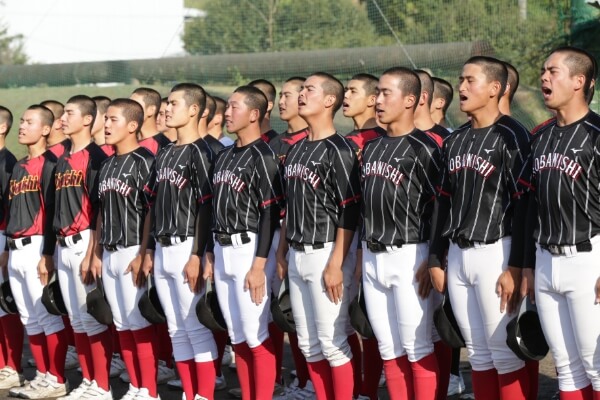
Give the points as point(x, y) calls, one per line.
point(546, 92)
point(462, 97)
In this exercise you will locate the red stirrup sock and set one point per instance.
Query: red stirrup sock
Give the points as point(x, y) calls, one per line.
point(127, 345)
point(84, 354)
point(533, 370)
point(145, 358)
point(582, 394)
point(13, 340)
point(343, 377)
point(221, 341)
point(263, 360)
point(443, 354)
point(320, 375)
point(425, 377)
point(276, 336)
point(164, 351)
point(485, 384)
point(299, 361)
point(37, 344)
point(373, 365)
point(399, 380)
point(514, 385)
point(245, 370)
point(188, 377)
point(101, 346)
point(206, 376)
point(56, 344)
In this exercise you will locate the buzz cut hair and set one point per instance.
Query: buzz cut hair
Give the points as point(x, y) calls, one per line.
point(6, 117)
point(255, 99)
point(131, 110)
point(266, 87)
point(211, 106)
point(45, 114)
point(513, 80)
point(443, 89)
point(298, 80)
point(220, 106)
point(85, 104)
point(192, 94)
point(426, 84)
point(581, 62)
point(55, 106)
point(332, 87)
point(369, 83)
point(493, 69)
point(151, 98)
point(102, 103)
point(409, 82)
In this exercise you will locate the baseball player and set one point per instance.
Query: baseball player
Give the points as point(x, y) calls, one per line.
point(441, 100)
point(75, 221)
point(31, 241)
point(170, 133)
point(512, 84)
point(125, 193)
point(11, 330)
point(359, 104)
point(217, 122)
point(323, 194)
point(399, 173)
point(213, 142)
point(482, 183)
point(102, 103)
point(563, 221)
point(248, 190)
point(57, 142)
point(181, 227)
point(150, 137)
point(268, 89)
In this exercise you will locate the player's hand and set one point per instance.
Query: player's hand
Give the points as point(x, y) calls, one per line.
point(95, 267)
point(597, 289)
point(44, 268)
point(527, 284)
point(148, 263)
point(333, 280)
point(282, 263)
point(4, 264)
point(358, 269)
point(438, 278)
point(135, 267)
point(505, 289)
point(423, 279)
point(209, 266)
point(191, 273)
point(85, 270)
point(256, 282)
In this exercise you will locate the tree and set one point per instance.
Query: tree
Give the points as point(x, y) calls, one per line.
point(11, 48)
point(233, 26)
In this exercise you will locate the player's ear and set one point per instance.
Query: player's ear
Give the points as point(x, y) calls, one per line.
point(409, 101)
point(204, 113)
point(132, 126)
point(330, 100)
point(3, 128)
point(371, 100)
point(495, 88)
point(269, 106)
point(151, 112)
point(254, 115)
point(194, 109)
point(46, 130)
point(423, 98)
point(88, 120)
point(507, 90)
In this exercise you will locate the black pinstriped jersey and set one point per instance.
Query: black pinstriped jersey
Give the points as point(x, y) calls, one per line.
point(246, 181)
point(358, 138)
point(125, 196)
point(322, 178)
point(281, 143)
point(269, 135)
point(182, 185)
point(399, 178)
point(438, 134)
point(484, 172)
point(60, 148)
point(155, 143)
point(31, 200)
point(565, 178)
point(215, 145)
point(7, 163)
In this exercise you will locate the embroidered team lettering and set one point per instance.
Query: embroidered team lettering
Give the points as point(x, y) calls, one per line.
point(69, 178)
point(229, 178)
point(170, 175)
point(559, 162)
point(117, 185)
point(471, 161)
point(299, 171)
point(383, 169)
point(30, 183)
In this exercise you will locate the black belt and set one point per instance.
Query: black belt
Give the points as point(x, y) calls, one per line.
point(300, 246)
point(168, 240)
point(559, 250)
point(62, 240)
point(110, 247)
point(224, 239)
point(378, 247)
point(18, 243)
point(467, 244)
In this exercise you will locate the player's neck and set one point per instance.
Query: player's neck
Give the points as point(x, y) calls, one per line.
point(36, 149)
point(248, 135)
point(2, 141)
point(296, 124)
point(126, 146)
point(187, 134)
point(80, 140)
point(504, 105)
point(365, 120)
point(423, 120)
point(401, 127)
point(265, 125)
point(149, 128)
point(571, 112)
point(215, 132)
point(55, 137)
point(320, 126)
point(437, 116)
point(485, 116)
point(171, 134)
point(99, 138)
point(202, 128)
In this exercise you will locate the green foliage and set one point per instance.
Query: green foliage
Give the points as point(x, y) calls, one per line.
point(11, 48)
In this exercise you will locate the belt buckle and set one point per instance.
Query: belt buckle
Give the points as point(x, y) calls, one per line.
point(308, 248)
point(237, 240)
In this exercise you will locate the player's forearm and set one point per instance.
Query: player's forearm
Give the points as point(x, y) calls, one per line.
point(266, 229)
point(438, 244)
point(145, 244)
point(528, 239)
point(49, 234)
point(93, 245)
point(203, 229)
point(283, 245)
point(517, 248)
point(343, 240)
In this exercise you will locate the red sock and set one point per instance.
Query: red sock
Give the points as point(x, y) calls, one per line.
point(596, 395)
point(84, 354)
point(165, 349)
point(514, 385)
point(443, 354)
point(128, 355)
point(146, 358)
point(582, 394)
point(3, 347)
point(533, 369)
point(221, 341)
point(37, 343)
point(320, 375)
point(276, 336)
point(116, 346)
point(354, 343)
point(372, 367)
point(342, 377)
point(57, 350)
point(12, 340)
point(399, 380)
point(101, 347)
point(206, 376)
point(299, 360)
point(485, 384)
point(68, 330)
point(425, 377)
point(245, 369)
point(263, 362)
point(188, 378)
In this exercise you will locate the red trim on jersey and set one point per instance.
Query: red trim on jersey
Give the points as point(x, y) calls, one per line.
point(150, 144)
point(350, 200)
point(204, 198)
point(150, 191)
point(435, 137)
point(516, 195)
point(267, 202)
point(363, 136)
point(542, 125)
point(108, 149)
point(525, 183)
point(293, 139)
point(442, 192)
